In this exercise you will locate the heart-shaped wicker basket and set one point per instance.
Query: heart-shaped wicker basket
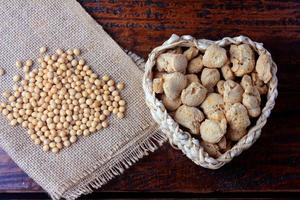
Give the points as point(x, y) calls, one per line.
point(183, 140)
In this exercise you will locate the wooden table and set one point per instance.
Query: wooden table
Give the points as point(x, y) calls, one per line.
point(273, 164)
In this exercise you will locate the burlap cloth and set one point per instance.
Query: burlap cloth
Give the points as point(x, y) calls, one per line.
point(92, 161)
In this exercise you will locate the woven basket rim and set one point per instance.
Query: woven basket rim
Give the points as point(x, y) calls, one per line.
point(183, 140)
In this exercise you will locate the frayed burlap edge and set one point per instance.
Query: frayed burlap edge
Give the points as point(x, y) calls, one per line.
point(126, 158)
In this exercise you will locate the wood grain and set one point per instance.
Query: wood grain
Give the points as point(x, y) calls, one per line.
point(273, 164)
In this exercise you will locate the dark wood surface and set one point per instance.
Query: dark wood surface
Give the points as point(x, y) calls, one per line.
point(273, 163)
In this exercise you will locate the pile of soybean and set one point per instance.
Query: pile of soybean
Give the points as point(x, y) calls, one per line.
point(61, 99)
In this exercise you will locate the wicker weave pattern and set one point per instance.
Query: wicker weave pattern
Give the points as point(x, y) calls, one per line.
point(182, 140)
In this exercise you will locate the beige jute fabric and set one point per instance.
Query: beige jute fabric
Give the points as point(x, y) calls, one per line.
point(92, 161)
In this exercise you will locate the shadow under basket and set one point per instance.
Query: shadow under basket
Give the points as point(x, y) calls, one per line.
point(183, 140)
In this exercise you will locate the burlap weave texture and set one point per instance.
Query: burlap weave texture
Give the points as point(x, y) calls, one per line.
point(25, 26)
